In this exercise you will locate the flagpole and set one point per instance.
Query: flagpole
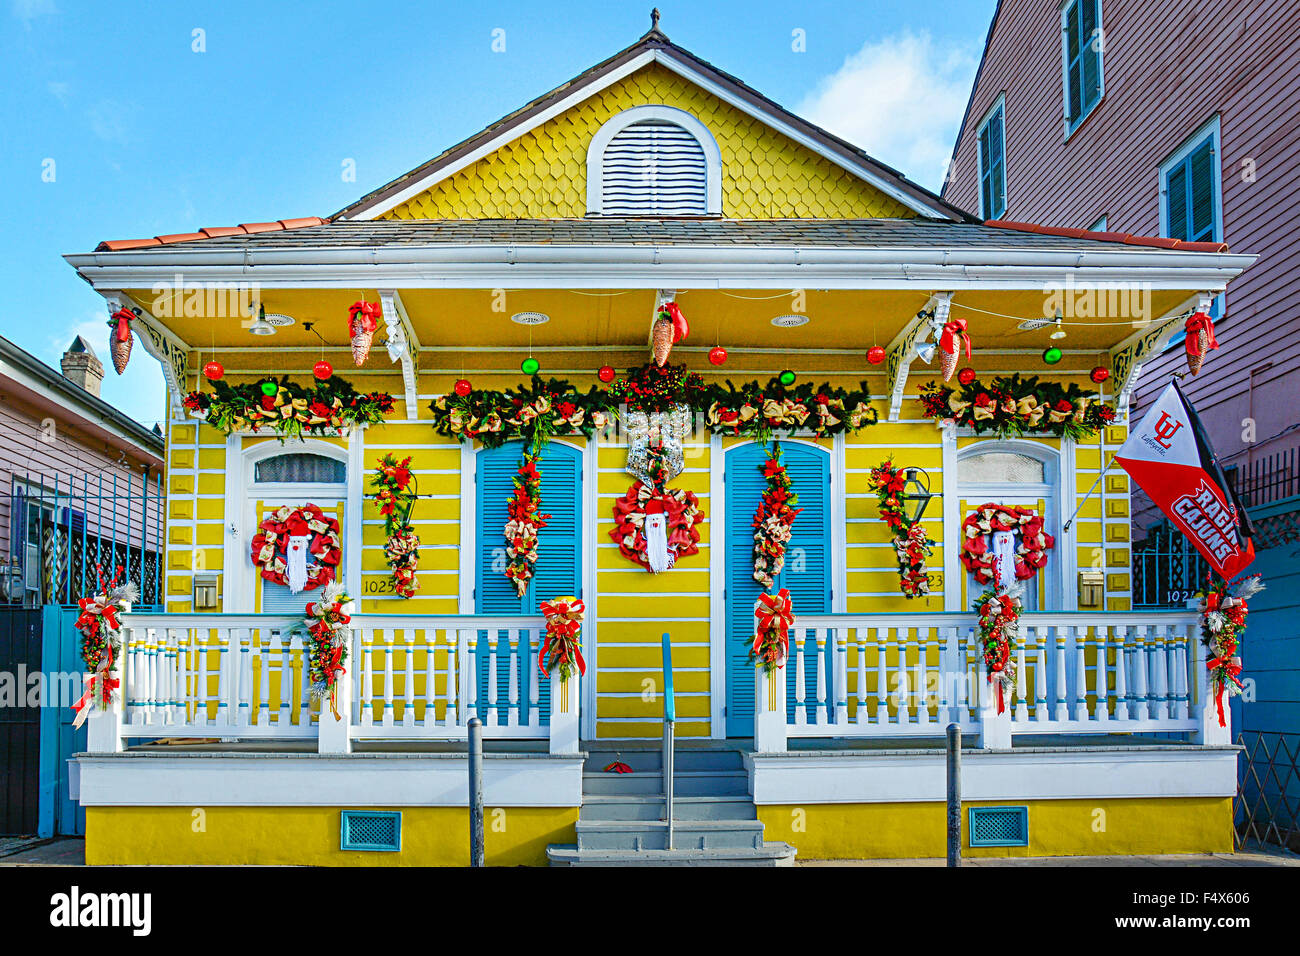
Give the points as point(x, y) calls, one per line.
point(1084, 500)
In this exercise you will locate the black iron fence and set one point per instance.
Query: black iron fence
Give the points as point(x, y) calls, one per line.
point(1267, 478)
point(69, 534)
point(1167, 569)
point(1267, 806)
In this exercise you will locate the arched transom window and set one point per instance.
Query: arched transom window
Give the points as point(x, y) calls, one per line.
point(654, 161)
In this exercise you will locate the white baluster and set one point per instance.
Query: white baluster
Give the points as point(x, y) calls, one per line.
point(408, 679)
point(286, 679)
point(245, 677)
point(1039, 633)
point(228, 676)
point(1081, 673)
point(1062, 709)
point(923, 675)
point(902, 691)
point(1022, 703)
point(972, 677)
point(1102, 675)
point(882, 679)
point(1140, 662)
point(819, 636)
point(430, 677)
point(457, 690)
point(494, 640)
point(949, 708)
point(838, 637)
point(390, 696)
point(264, 697)
point(1121, 672)
point(367, 692)
point(534, 679)
point(512, 715)
point(800, 684)
point(860, 636)
point(199, 638)
point(150, 684)
point(1181, 708)
point(1160, 690)
point(301, 688)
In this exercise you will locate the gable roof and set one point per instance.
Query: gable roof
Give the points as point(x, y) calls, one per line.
point(653, 47)
point(970, 100)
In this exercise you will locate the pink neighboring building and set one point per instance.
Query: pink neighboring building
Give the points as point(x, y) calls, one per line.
point(1174, 119)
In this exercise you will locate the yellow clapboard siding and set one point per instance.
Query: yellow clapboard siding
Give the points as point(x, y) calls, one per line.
point(648, 606)
point(687, 707)
point(694, 682)
point(685, 577)
point(649, 658)
point(685, 728)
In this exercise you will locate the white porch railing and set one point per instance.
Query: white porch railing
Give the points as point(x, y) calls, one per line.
point(910, 675)
point(243, 677)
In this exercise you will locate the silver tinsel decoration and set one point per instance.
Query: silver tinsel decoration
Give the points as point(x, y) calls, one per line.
point(646, 431)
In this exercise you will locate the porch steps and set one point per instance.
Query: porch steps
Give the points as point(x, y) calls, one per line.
point(714, 820)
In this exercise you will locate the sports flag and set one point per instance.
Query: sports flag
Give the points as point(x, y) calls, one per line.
point(1169, 456)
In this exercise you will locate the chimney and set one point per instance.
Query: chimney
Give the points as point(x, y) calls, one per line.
point(82, 367)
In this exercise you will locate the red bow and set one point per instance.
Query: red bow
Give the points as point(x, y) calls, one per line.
point(1197, 323)
point(122, 317)
point(954, 334)
point(563, 622)
point(681, 328)
point(1230, 671)
point(369, 314)
point(774, 612)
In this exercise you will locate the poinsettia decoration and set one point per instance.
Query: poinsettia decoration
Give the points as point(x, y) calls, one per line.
point(655, 526)
point(773, 520)
point(101, 644)
point(395, 495)
point(526, 520)
point(1223, 622)
point(912, 546)
point(977, 551)
point(756, 411)
point(999, 629)
point(1010, 406)
point(327, 646)
point(533, 413)
point(287, 408)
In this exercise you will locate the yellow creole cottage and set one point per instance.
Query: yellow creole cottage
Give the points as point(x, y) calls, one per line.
point(580, 237)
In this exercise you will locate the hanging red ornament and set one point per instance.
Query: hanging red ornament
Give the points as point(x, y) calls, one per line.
point(323, 370)
point(717, 355)
point(876, 354)
point(606, 373)
point(463, 387)
point(966, 375)
point(1099, 374)
point(213, 371)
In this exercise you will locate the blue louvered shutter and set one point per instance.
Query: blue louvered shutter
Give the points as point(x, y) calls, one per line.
point(1082, 59)
point(1190, 209)
point(559, 560)
point(806, 572)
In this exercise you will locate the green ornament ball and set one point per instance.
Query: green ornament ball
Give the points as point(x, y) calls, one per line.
point(269, 388)
point(1052, 356)
point(530, 366)
point(787, 378)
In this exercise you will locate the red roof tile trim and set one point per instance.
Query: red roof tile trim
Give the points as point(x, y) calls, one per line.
point(244, 229)
point(1163, 243)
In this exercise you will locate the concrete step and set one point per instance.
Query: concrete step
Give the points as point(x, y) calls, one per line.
point(648, 760)
point(645, 807)
point(767, 854)
point(653, 834)
point(621, 784)
point(710, 783)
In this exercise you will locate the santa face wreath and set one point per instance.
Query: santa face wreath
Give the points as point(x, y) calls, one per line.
point(988, 543)
point(773, 520)
point(298, 547)
point(655, 526)
point(101, 646)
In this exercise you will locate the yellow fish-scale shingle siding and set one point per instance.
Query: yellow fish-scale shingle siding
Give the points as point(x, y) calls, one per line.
point(543, 173)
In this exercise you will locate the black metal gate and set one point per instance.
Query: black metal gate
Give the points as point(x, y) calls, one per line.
point(20, 730)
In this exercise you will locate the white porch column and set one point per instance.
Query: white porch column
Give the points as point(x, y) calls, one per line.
point(1208, 732)
point(104, 729)
point(335, 736)
point(769, 710)
point(564, 713)
point(995, 728)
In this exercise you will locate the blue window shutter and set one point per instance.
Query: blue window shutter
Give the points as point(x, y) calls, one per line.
point(806, 572)
point(18, 531)
point(993, 166)
point(559, 560)
point(1082, 59)
point(1189, 208)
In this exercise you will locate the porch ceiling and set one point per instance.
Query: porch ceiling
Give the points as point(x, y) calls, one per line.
point(589, 318)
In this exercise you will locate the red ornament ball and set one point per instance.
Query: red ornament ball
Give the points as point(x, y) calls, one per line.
point(966, 375)
point(323, 370)
point(876, 354)
point(463, 387)
point(717, 355)
point(213, 371)
point(1099, 374)
point(606, 373)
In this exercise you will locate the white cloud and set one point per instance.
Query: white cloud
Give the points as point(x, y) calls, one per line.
point(901, 100)
point(137, 392)
point(59, 90)
point(29, 10)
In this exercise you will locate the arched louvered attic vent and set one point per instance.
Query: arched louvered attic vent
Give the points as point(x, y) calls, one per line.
point(653, 161)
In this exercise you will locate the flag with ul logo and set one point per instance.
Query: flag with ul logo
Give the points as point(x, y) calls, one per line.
point(1169, 456)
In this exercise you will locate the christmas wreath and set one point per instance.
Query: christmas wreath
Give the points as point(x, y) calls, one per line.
point(977, 551)
point(912, 546)
point(298, 547)
point(533, 413)
point(1011, 406)
point(1223, 622)
point(327, 646)
point(655, 526)
point(288, 409)
point(101, 645)
point(999, 628)
point(526, 520)
point(395, 495)
point(773, 520)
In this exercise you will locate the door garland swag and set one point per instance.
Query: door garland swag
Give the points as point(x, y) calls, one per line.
point(1011, 406)
point(395, 495)
point(526, 520)
point(977, 553)
point(297, 547)
point(999, 629)
point(562, 648)
point(287, 408)
point(532, 413)
point(655, 526)
point(773, 617)
point(101, 645)
point(327, 646)
point(1223, 623)
point(773, 520)
point(912, 546)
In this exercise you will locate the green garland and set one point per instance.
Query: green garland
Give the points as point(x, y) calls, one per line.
point(751, 411)
point(534, 413)
point(1011, 406)
point(650, 388)
point(290, 410)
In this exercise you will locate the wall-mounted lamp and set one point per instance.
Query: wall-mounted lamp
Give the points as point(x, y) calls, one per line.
point(916, 493)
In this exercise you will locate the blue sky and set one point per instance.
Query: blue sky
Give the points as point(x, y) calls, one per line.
point(145, 135)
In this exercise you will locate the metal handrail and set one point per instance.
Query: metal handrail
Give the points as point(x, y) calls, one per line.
point(670, 717)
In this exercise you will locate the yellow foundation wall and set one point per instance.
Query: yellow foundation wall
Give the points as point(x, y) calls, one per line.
point(543, 173)
point(296, 836)
point(1056, 828)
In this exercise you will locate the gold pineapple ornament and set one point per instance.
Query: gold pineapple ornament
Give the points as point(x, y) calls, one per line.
point(1200, 339)
point(669, 328)
point(120, 339)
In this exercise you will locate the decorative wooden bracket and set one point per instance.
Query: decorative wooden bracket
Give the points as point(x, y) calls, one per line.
point(1127, 358)
point(162, 344)
point(899, 354)
point(403, 344)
